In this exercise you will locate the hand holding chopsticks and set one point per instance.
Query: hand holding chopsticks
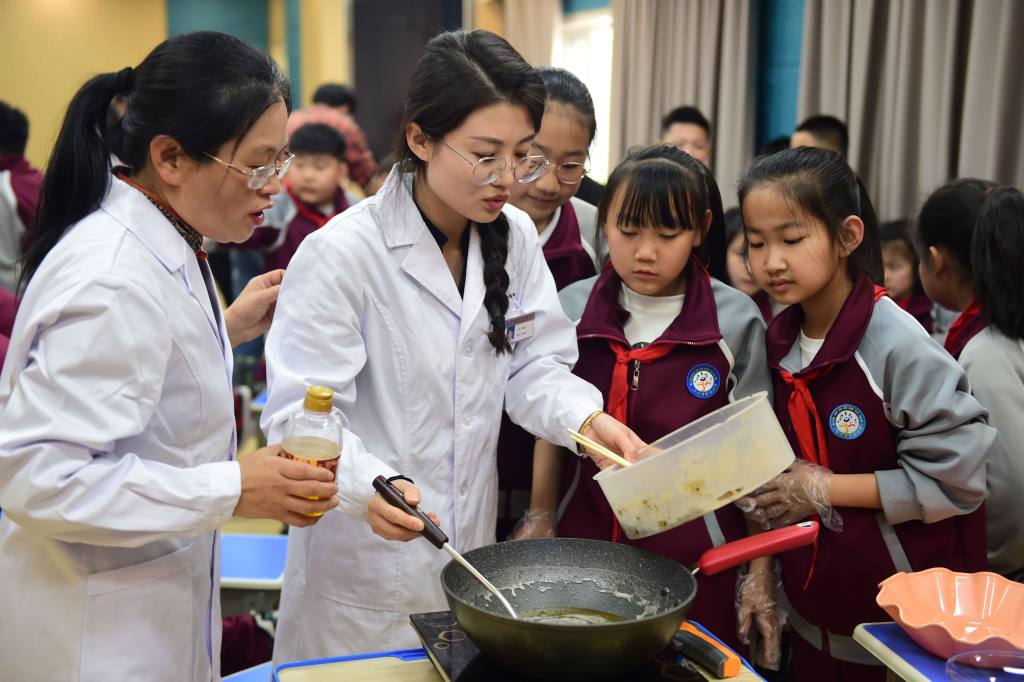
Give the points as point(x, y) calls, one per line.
point(598, 449)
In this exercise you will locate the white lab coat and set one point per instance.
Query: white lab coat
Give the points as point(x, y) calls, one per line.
point(369, 308)
point(116, 448)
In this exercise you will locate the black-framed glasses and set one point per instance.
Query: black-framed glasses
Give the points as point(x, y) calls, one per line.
point(489, 168)
point(261, 175)
point(570, 172)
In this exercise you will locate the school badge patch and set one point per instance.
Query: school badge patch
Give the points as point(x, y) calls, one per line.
point(847, 422)
point(703, 381)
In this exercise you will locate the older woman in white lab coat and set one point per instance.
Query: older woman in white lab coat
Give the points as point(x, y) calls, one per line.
point(116, 416)
point(427, 308)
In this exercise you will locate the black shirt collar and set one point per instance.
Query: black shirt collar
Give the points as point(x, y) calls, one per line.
point(441, 240)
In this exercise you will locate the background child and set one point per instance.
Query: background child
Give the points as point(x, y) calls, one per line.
point(312, 196)
point(891, 443)
point(736, 263)
point(989, 337)
point(942, 237)
point(901, 279)
point(567, 229)
point(656, 323)
point(566, 225)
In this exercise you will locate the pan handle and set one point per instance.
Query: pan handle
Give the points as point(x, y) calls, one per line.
point(393, 496)
point(732, 554)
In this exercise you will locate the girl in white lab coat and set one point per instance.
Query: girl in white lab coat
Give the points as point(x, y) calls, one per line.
point(116, 416)
point(426, 308)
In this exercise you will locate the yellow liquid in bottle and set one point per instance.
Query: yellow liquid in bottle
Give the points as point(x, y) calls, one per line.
point(318, 452)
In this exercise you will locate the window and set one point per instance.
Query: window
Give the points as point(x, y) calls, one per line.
point(585, 49)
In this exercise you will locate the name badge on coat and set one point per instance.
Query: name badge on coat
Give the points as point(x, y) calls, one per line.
point(519, 328)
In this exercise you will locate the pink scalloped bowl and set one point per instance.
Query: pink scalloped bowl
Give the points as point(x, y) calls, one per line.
point(949, 613)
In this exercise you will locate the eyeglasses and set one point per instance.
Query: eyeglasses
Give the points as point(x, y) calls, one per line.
point(569, 172)
point(260, 176)
point(489, 168)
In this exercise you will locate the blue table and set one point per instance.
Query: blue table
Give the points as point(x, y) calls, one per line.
point(259, 402)
point(894, 647)
point(252, 562)
point(251, 572)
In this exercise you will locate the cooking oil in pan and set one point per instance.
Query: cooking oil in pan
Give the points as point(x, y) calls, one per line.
point(571, 616)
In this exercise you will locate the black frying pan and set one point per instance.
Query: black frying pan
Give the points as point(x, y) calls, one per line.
point(648, 594)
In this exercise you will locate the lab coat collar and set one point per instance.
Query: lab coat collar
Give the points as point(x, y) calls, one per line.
point(132, 209)
point(402, 225)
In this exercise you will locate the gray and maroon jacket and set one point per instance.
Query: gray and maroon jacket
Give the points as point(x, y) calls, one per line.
point(20, 188)
point(895, 404)
point(566, 258)
point(718, 333)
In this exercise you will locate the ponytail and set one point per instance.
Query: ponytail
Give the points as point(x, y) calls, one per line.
point(78, 173)
point(997, 252)
point(494, 251)
point(867, 257)
point(202, 89)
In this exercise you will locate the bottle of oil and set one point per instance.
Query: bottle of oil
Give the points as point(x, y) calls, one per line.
point(314, 434)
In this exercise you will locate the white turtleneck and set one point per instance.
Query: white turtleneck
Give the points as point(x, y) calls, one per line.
point(649, 316)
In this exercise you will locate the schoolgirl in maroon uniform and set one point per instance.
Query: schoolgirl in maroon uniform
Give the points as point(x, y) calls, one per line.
point(666, 344)
point(902, 282)
point(567, 230)
point(971, 236)
point(891, 443)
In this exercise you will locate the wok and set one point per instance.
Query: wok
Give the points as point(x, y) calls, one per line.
point(651, 595)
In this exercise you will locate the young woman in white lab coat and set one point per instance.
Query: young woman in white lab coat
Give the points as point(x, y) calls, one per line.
point(426, 308)
point(117, 433)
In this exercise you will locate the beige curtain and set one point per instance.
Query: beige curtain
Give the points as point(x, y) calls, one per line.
point(533, 27)
point(992, 132)
point(894, 70)
point(672, 52)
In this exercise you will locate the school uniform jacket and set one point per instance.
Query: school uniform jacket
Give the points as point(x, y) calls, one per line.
point(569, 256)
point(717, 357)
point(893, 403)
point(370, 309)
point(20, 187)
point(995, 367)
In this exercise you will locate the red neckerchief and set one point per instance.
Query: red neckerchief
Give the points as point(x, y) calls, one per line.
point(619, 391)
point(187, 232)
point(810, 431)
point(312, 215)
point(971, 321)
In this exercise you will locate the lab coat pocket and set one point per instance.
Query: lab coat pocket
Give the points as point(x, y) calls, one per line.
point(138, 621)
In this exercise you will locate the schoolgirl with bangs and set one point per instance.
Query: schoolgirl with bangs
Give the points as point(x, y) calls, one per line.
point(666, 344)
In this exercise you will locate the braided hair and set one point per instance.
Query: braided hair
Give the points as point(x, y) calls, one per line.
point(459, 73)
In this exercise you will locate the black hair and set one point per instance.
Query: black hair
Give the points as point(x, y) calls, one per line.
point(335, 95)
point(776, 144)
point(663, 186)
point(997, 252)
point(829, 130)
point(13, 129)
point(820, 184)
point(685, 114)
point(565, 88)
point(459, 73)
point(947, 219)
point(318, 138)
point(202, 89)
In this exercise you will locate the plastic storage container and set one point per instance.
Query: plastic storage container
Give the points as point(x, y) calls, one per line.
point(707, 464)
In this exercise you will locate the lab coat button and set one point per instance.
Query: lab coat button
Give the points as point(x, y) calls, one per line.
point(468, 348)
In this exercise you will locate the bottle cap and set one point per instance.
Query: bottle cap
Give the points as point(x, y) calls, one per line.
point(319, 399)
